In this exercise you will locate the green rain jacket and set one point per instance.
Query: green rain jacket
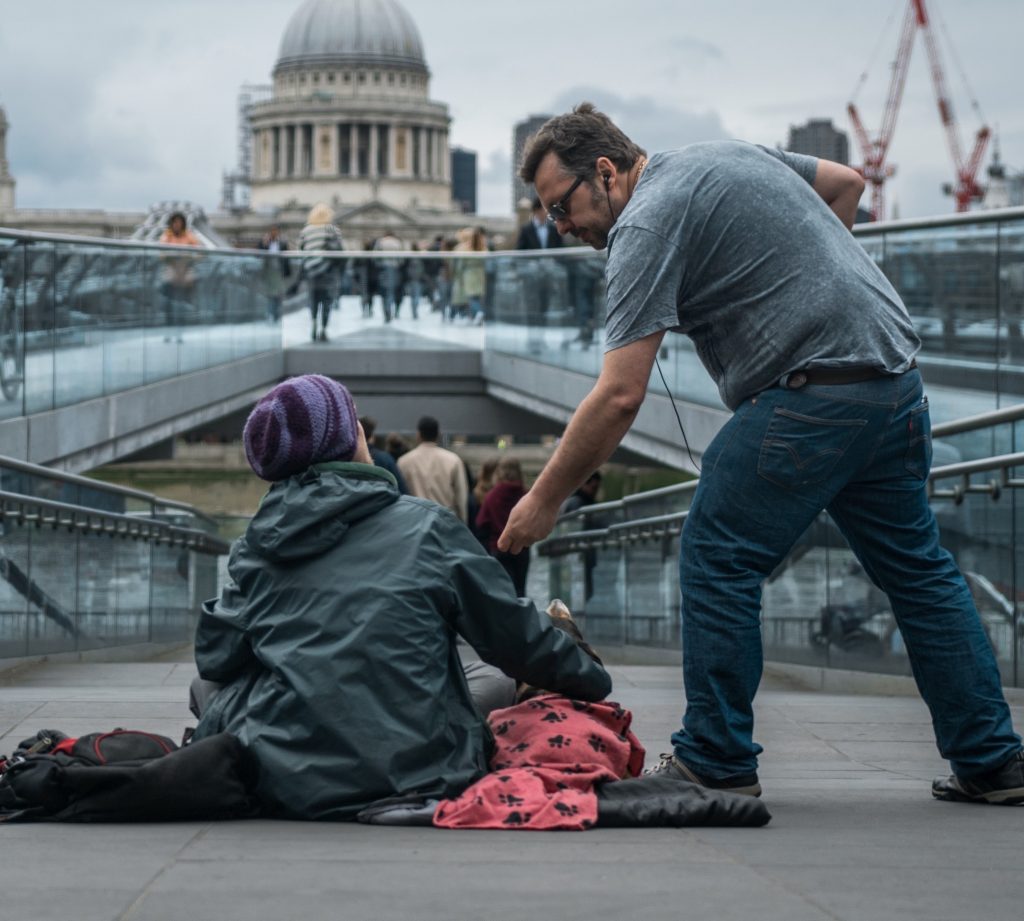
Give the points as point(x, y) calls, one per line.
point(336, 643)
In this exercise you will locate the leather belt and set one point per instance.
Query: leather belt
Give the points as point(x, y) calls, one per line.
point(854, 374)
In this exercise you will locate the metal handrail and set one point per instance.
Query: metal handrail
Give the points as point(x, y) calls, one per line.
point(34, 236)
point(1001, 463)
point(922, 223)
point(56, 515)
point(988, 419)
point(75, 479)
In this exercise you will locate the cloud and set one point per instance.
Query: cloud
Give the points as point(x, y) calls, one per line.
point(494, 182)
point(696, 50)
point(652, 124)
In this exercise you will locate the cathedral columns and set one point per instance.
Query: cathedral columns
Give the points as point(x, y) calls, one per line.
point(422, 171)
point(325, 155)
point(282, 152)
point(300, 151)
point(373, 152)
point(353, 146)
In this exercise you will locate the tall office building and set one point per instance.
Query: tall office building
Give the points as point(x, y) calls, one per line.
point(520, 135)
point(6, 179)
point(464, 179)
point(820, 139)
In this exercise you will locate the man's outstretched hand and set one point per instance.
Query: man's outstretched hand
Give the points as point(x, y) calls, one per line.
point(531, 520)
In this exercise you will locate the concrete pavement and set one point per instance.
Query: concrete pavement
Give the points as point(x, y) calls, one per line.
point(855, 835)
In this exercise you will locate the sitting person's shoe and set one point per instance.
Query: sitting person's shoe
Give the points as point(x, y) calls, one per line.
point(746, 784)
point(1002, 787)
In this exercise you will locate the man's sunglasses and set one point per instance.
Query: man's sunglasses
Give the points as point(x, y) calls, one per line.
point(559, 211)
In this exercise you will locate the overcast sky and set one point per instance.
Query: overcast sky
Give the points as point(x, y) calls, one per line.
point(118, 103)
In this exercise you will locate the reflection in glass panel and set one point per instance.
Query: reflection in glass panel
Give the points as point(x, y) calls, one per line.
point(1011, 310)
point(40, 325)
point(53, 624)
point(123, 320)
point(12, 329)
point(947, 279)
point(652, 600)
point(15, 585)
point(604, 587)
point(83, 294)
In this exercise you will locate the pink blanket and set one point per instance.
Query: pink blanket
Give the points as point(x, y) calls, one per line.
point(550, 753)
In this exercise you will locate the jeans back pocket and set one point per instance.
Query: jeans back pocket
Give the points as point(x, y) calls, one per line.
point(799, 451)
point(919, 447)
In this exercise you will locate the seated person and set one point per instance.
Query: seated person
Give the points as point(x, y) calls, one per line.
point(335, 641)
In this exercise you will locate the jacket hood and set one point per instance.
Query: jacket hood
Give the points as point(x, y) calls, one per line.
point(307, 514)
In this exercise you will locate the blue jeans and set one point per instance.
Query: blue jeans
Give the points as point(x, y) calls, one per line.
point(861, 451)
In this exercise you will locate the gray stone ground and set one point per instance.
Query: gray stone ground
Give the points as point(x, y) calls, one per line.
point(855, 834)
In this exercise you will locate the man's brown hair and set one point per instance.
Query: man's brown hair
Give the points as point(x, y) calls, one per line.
point(578, 138)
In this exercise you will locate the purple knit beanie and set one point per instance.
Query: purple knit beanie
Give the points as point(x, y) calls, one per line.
point(302, 421)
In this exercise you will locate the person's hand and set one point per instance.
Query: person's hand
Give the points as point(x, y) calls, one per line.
point(529, 522)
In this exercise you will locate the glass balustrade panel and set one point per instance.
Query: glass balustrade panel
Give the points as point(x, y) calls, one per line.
point(1011, 312)
point(15, 584)
point(12, 328)
point(38, 286)
point(53, 624)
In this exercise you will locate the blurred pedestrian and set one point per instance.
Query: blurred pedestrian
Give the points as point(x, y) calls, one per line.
point(389, 270)
point(508, 489)
point(433, 472)
point(470, 281)
point(382, 458)
point(319, 237)
point(275, 270)
point(478, 490)
point(179, 276)
point(396, 445)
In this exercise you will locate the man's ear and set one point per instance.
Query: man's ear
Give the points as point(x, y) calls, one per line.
point(607, 172)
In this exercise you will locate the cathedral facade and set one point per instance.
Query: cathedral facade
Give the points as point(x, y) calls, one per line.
point(350, 119)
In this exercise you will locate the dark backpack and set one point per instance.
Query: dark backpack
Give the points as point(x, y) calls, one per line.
point(125, 776)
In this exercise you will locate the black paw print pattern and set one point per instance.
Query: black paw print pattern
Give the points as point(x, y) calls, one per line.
point(559, 741)
point(595, 743)
point(517, 818)
point(554, 717)
point(504, 727)
point(521, 747)
point(538, 705)
point(510, 799)
point(567, 810)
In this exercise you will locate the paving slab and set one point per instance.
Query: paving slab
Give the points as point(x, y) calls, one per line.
point(855, 834)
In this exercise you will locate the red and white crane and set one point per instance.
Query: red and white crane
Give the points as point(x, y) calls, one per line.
point(876, 169)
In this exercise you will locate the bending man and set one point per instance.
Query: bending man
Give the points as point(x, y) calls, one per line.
point(747, 251)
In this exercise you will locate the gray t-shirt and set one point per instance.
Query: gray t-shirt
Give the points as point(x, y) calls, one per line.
point(728, 243)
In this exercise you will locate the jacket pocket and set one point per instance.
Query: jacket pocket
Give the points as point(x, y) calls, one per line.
point(799, 451)
point(919, 447)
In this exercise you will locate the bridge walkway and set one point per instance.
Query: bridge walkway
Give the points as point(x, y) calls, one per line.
point(855, 835)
